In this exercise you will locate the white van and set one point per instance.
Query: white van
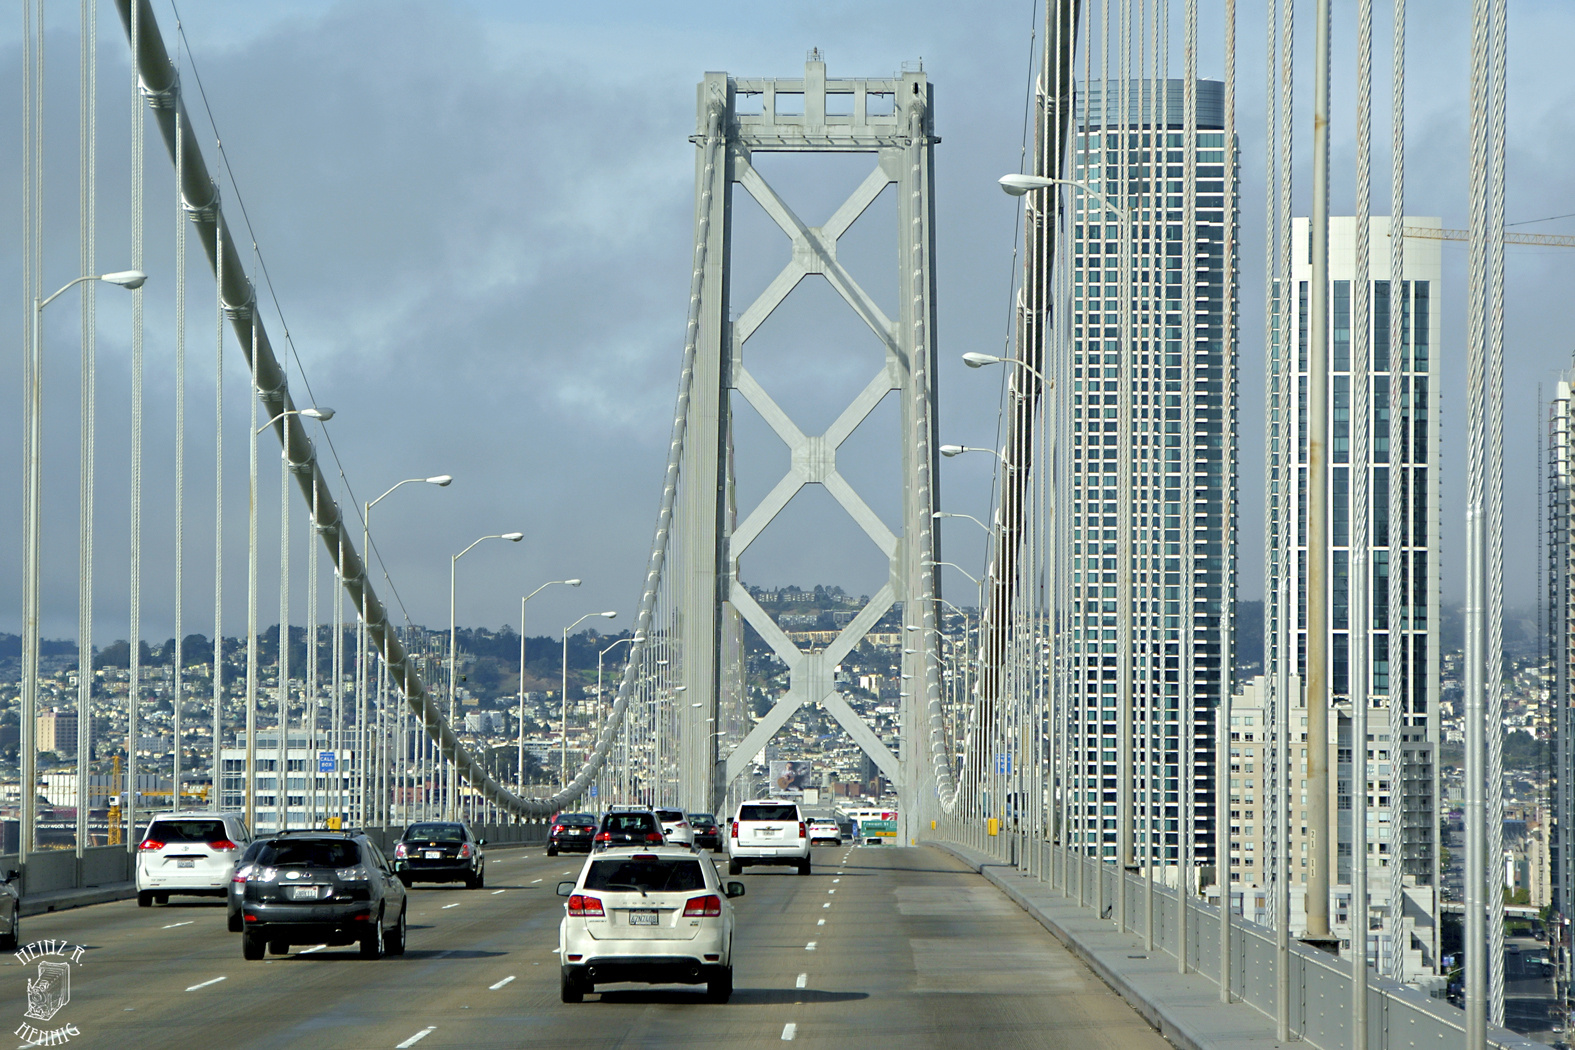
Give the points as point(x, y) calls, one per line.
point(768, 831)
point(189, 854)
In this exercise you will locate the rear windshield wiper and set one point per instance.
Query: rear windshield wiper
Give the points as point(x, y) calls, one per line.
point(626, 886)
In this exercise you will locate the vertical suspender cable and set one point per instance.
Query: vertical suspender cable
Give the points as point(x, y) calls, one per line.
point(282, 658)
point(32, 152)
point(1359, 618)
point(1222, 828)
point(87, 205)
point(310, 724)
point(1397, 621)
point(134, 697)
point(1127, 351)
point(1494, 567)
point(1186, 702)
point(177, 691)
point(1290, 457)
point(251, 578)
point(1477, 881)
point(216, 798)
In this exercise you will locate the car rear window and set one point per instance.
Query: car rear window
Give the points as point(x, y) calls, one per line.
point(436, 832)
point(187, 831)
point(701, 818)
point(651, 874)
point(788, 812)
point(576, 818)
point(630, 822)
point(670, 814)
point(309, 853)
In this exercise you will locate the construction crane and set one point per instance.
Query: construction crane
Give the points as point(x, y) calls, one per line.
point(1543, 240)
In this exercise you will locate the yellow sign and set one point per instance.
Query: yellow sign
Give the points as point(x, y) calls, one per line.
point(992, 826)
point(333, 824)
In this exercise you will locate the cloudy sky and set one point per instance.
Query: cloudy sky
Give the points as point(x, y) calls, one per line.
point(477, 220)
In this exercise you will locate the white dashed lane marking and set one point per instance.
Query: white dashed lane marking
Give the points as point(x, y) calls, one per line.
point(456, 904)
point(789, 1030)
point(413, 1040)
point(205, 984)
point(810, 946)
point(826, 905)
point(820, 922)
point(534, 881)
point(500, 984)
point(496, 892)
point(803, 978)
point(172, 925)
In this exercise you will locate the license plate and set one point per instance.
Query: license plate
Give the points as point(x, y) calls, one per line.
point(769, 833)
point(185, 863)
point(643, 918)
point(433, 854)
point(303, 893)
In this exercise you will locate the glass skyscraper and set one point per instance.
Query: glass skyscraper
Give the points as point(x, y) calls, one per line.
point(1160, 402)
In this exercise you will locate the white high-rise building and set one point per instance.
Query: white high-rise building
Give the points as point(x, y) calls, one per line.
point(1402, 607)
point(1168, 620)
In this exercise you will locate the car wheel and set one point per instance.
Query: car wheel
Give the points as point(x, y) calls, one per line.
point(235, 924)
point(396, 940)
point(144, 900)
point(161, 898)
point(475, 883)
point(252, 946)
point(372, 940)
point(570, 990)
point(552, 851)
point(734, 868)
point(405, 880)
point(278, 948)
point(12, 939)
point(803, 866)
point(719, 989)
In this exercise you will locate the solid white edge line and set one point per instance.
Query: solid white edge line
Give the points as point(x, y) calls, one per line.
point(205, 984)
point(803, 978)
point(500, 984)
point(413, 1040)
point(789, 1030)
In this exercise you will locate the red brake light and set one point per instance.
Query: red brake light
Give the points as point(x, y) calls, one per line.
point(401, 851)
point(653, 836)
point(223, 844)
point(151, 844)
point(801, 831)
point(709, 906)
point(464, 850)
point(557, 828)
point(584, 905)
point(605, 836)
point(734, 828)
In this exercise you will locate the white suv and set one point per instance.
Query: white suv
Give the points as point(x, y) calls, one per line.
point(653, 916)
point(675, 827)
point(189, 853)
point(768, 831)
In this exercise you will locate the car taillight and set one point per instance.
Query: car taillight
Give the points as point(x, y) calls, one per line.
point(653, 836)
point(709, 907)
point(582, 905)
point(801, 832)
point(151, 844)
point(238, 877)
point(223, 844)
point(401, 851)
point(605, 836)
point(464, 850)
point(557, 828)
point(734, 828)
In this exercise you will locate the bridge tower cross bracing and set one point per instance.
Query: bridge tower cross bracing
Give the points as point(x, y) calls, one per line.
point(890, 119)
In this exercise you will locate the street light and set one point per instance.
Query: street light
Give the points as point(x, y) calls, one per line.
point(631, 639)
point(563, 693)
point(950, 451)
point(567, 583)
point(32, 604)
point(950, 514)
point(973, 359)
point(441, 481)
point(453, 637)
point(321, 414)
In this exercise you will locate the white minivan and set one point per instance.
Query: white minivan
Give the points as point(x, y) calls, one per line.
point(768, 831)
point(189, 854)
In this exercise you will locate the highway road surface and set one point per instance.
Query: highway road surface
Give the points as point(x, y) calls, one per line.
point(880, 947)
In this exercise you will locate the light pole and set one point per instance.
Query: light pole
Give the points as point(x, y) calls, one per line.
point(949, 451)
point(974, 359)
point(362, 685)
point(528, 597)
point(32, 504)
point(563, 694)
point(453, 637)
point(631, 639)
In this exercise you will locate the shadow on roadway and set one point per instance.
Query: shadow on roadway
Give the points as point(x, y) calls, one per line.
point(352, 951)
point(741, 996)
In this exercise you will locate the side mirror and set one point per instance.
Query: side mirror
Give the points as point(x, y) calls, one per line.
point(735, 889)
point(565, 888)
point(10, 875)
point(481, 842)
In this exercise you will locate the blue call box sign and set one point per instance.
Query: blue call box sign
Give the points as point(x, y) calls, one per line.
point(326, 762)
point(593, 790)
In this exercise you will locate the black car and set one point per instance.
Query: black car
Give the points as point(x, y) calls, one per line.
point(571, 832)
point(326, 887)
point(707, 834)
point(441, 851)
point(630, 827)
point(243, 868)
